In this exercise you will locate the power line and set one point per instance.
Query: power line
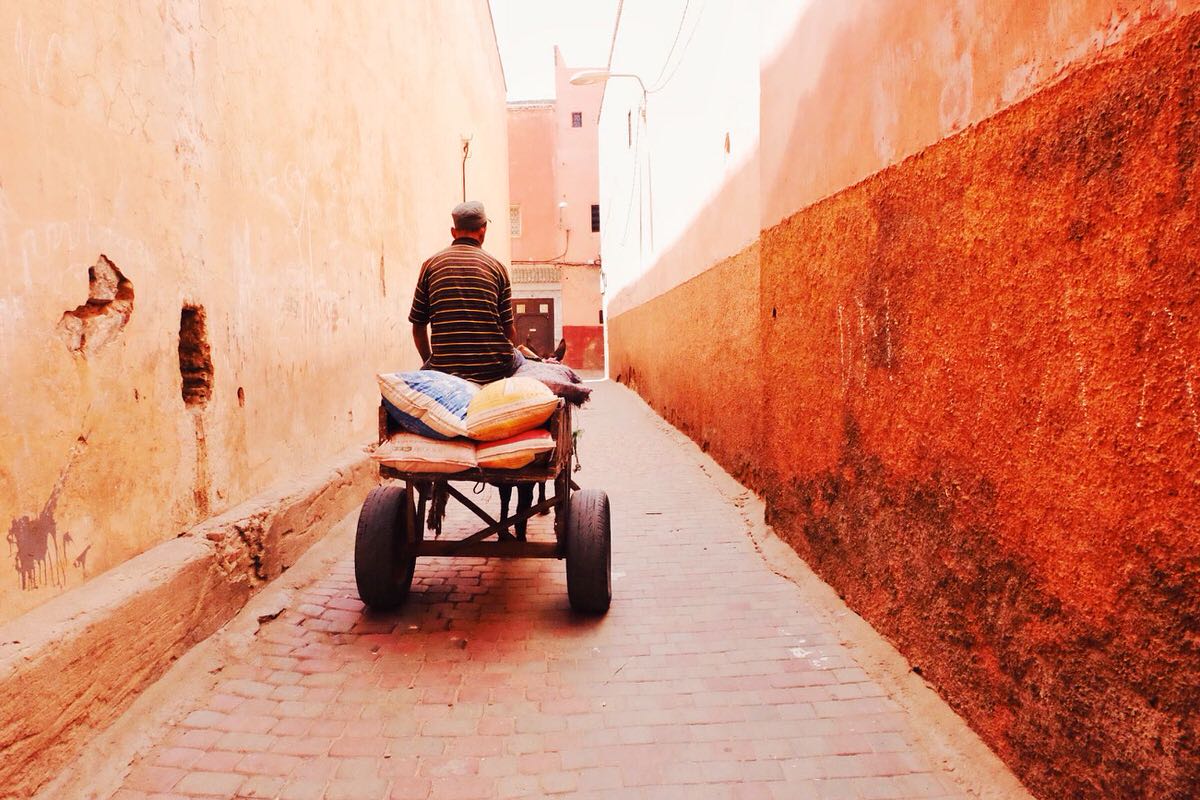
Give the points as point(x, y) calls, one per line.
point(612, 46)
point(660, 86)
point(633, 183)
point(675, 41)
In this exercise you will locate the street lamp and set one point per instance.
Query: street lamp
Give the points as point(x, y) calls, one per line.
point(590, 76)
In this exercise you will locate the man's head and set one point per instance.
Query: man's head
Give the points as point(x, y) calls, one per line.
point(470, 221)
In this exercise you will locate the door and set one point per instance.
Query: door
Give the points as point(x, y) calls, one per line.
point(534, 319)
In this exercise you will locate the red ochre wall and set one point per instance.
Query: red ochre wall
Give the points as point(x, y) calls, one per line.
point(969, 389)
point(691, 354)
point(585, 346)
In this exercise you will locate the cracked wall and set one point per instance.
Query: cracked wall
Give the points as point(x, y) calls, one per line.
point(186, 154)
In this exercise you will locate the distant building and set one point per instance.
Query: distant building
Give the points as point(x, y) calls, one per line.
point(554, 220)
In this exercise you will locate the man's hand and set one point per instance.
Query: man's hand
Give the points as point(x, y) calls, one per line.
point(421, 339)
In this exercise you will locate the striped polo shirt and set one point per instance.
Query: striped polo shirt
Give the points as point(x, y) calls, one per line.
point(465, 295)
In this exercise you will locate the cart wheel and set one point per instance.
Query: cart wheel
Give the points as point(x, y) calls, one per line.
point(383, 568)
point(589, 552)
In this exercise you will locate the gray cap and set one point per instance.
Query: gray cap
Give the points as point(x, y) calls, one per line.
point(469, 216)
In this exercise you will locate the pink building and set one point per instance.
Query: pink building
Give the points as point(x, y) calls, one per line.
point(554, 220)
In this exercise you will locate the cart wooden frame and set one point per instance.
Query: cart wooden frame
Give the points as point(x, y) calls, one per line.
point(392, 524)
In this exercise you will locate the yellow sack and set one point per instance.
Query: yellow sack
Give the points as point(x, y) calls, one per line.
point(508, 407)
point(515, 451)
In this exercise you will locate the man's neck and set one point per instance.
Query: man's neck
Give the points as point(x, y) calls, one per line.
point(471, 240)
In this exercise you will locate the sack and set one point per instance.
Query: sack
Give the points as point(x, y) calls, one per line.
point(409, 452)
point(427, 402)
point(561, 379)
point(508, 407)
point(515, 451)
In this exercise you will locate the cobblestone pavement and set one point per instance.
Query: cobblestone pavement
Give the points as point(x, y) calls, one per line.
point(708, 678)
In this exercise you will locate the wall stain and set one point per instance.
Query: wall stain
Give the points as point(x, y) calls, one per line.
point(38, 550)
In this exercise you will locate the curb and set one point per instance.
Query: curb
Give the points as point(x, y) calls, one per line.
point(70, 667)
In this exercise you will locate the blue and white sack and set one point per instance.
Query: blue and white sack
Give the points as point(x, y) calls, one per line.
point(427, 402)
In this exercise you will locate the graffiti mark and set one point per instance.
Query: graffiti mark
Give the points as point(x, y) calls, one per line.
point(39, 554)
point(80, 561)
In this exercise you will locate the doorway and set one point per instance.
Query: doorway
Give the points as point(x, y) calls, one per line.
point(534, 318)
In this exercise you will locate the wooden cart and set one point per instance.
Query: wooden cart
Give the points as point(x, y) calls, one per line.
point(392, 525)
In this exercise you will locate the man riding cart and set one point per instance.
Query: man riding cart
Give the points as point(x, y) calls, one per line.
point(437, 426)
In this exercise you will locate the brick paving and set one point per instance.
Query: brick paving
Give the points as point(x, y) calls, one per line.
point(708, 678)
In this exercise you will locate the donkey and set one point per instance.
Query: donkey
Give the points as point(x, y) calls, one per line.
point(525, 490)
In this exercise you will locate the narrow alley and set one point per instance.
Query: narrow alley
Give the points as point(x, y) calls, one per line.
point(889, 312)
point(712, 676)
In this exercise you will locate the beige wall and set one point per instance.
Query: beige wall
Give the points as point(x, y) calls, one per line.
point(554, 176)
point(532, 175)
point(287, 166)
point(578, 159)
point(675, 198)
point(581, 295)
point(553, 163)
point(851, 87)
point(839, 91)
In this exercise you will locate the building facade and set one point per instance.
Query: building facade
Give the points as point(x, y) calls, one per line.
point(554, 221)
point(923, 275)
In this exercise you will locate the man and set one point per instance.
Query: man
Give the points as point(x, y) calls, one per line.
point(465, 294)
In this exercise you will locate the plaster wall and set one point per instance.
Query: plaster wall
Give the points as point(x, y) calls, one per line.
point(533, 180)
point(578, 160)
point(284, 166)
point(987, 440)
point(849, 88)
point(554, 174)
point(679, 166)
point(692, 353)
point(581, 295)
point(975, 292)
point(583, 325)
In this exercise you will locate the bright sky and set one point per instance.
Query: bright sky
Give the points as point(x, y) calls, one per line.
point(528, 30)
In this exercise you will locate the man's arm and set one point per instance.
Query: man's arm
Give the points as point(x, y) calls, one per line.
point(419, 316)
point(421, 339)
point(507, 320)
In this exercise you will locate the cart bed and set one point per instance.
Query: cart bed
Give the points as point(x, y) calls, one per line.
point(544, 468)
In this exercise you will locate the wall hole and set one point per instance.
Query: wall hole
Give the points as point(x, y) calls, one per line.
point(772, 312)
point(241, 397)
point(195, 356)
point(99, 321)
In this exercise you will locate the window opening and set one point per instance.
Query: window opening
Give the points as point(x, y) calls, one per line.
point(514, 221)
point(595, 219)
point(576, 119)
